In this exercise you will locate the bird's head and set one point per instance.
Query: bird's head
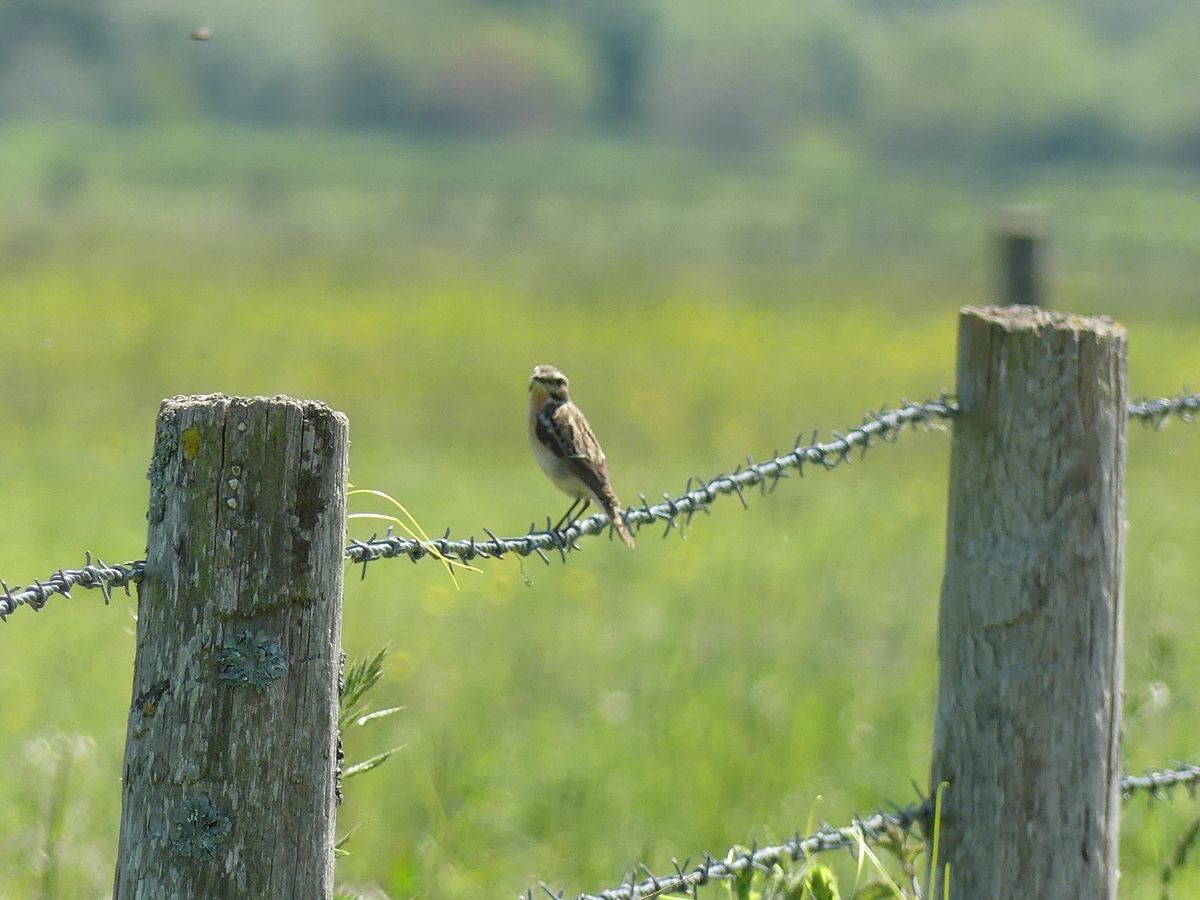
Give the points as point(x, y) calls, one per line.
point(547, 383)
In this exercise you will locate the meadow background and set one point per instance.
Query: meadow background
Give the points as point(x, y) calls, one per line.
point(728, 226)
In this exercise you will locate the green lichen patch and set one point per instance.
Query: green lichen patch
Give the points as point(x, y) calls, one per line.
point(198, 828)
point(251, 658)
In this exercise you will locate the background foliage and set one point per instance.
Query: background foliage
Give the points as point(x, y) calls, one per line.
point(991, 80)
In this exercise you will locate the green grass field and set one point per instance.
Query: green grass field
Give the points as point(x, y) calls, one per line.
point(774, 668)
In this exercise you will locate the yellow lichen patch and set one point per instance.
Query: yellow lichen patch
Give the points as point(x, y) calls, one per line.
point(190, 441)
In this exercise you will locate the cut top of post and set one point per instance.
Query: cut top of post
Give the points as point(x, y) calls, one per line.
point(996, 340)
point(1023, 317)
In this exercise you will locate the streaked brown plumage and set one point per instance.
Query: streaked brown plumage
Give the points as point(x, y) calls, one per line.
point(566, 447)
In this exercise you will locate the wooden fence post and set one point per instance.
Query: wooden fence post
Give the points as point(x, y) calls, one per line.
point(1022, 246)
point(231, 750)
point(1028, 720)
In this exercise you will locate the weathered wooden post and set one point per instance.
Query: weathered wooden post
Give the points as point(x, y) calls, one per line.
point(1028, 720)
point(230, 757)
point(1023, 249)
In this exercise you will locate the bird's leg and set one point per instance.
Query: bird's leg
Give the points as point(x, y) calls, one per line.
point(569, 519)
point(586, 503)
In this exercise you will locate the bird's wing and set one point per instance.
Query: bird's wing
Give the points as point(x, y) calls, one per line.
point(564, 430)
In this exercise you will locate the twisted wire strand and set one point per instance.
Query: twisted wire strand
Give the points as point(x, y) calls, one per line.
point(870, 830)
point(641, 883)
point(698, 495)
point(1159, 783)
point(99, 574)
point(1156, 412)
point(885, 425)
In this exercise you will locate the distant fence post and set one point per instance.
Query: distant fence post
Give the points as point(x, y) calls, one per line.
point(1028, 719)
point(229, 779)
point(1022, 247)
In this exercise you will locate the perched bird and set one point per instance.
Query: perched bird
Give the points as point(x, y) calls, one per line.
point(567, 450)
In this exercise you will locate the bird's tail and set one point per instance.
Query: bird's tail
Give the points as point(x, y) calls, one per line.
point(612, 506)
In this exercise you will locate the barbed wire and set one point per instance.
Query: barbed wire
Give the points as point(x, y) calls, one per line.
point(884, 425)
point(1156, 412)
point(1160, 783)
point(698, 496)
point(642, 883)
point(99, 575)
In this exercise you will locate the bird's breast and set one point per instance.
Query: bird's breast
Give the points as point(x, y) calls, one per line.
point(555, 468)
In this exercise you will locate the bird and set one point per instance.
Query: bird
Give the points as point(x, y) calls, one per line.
point(203, 33)
point(567, 450)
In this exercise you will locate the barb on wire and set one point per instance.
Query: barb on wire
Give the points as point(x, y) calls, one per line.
point(642, 883)
point(1155, 413)
point(96, 574)
point(698, 495)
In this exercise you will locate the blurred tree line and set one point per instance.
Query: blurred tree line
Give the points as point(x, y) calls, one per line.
point(994, 80)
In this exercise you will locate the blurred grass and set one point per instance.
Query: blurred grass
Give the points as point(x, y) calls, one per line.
point(562, 722)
